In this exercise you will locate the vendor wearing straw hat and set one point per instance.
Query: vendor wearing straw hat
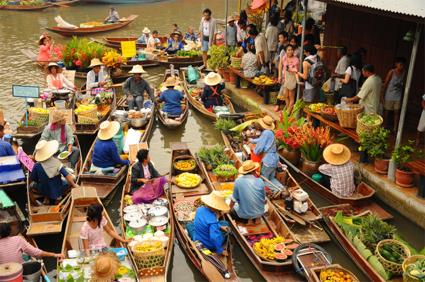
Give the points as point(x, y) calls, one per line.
point(47, 172)
point(56, 80)
point(97, 76)
point(249, 196)
point(211, 95)
point(144, 38)
point(58, 130)
point(339, 169)
point(135, 87)
point(105, 153)
point(174, 43)
point(265, 146)
point(207, 228)
point(105, 268)
point(172, 98)
point(231, 32)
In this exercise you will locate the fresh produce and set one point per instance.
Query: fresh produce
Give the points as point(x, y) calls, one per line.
point(104, 97)
point(263, 80)
point(190, 53)
point(78, 52)
point(370, 119)
point(329, 110)
point(218, 57)
point(41, 111)
point(267, 249)
point(147, 246)
point(195, 92)
point(84, 108)
point(185, 165)
point(417, 269)
point(317, 107)
point(188, 180)
point(225, 171)
point(213, 157)
point(331, 275)
point(224, 124)
point(112, 59)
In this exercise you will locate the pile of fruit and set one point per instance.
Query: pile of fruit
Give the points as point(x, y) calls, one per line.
point(263, 80)
point(112, 59)
point(416, 270)
point(333, 275)
point(40, 111)
point(190, 53)
point(185, 165)
point(195, 92)
point(132, 115)
point(188, 180)
point(329, 110)
point(316, 108)
point(84, 108)
point(147, 246)
point(225, 171)
point(90, 24)
point(277, 248)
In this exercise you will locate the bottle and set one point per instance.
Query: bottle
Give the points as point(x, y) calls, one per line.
point(289, 203)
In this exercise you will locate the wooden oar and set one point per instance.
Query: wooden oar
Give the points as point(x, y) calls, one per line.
point(60, 5)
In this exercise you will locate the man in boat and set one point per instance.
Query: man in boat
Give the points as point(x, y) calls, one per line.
point(97, 76)
point(56, 79)
point(339, 170)
point(190, 35)
point(174, 43)
point(60, 131)
point(48, 171)
point(154, 42)
point(144, 38)
point(211, 95)
point(13, 247)
point(113, 16)
point(207, 228)
point(105, 153)
point(135, 87)
point(172, 98)
point(5, 147)
point(142, 172)
point(208, 31)
point(249, 196)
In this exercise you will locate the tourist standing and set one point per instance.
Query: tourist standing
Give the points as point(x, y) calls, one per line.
point(341, 66)
point(249, 62)
point(311, 92)
point(231, 36)
point(288, 67)
point(272, 34)
point(207, 28)
point(421, 125)
point(349, 84)
point(261, 49)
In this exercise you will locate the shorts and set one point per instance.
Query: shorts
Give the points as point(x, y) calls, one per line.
point(421, 125)
point(205, 45)
point(392, 105)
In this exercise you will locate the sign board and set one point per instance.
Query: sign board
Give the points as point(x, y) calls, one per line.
point(24, 91)
point(25, 160)
point(128, 49)
point(66, 112)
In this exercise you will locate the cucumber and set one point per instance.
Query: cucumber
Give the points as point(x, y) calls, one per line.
point(374, 262)
point(386, 254)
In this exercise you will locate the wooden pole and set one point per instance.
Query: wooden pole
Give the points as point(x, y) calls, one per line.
point(225, 21)
point(302, 45)
point(239, 6)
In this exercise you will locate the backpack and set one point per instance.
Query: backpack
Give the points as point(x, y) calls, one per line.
point(317, 74)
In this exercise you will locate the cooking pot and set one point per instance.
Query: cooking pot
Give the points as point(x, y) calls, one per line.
point(138, 122)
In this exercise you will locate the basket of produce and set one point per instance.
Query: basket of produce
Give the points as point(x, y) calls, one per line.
point(328, 112)
point(391, 254)
point(184, 164)
point(188, 180)
point(263, 80)
point(316, 107)
point(235, 62)
point(274, 249)
point(414, 268)
point(334, 272)
point(89, 111)
point(148, 254)
point(185, 210)
point(225, 172)
point(347, 114)
point(87, 120)
point(367, 123)
point(39, 115)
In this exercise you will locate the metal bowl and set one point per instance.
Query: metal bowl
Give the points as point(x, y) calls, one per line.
point(137, 122)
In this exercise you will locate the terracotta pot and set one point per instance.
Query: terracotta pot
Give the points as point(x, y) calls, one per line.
point(293, 156)
point(404, 178)
point(381, 165)
point(233, 78)
point(310, 167)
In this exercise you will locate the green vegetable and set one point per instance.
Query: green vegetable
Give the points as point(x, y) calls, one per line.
point(370, 119)
point(190, 53)
point(366, 253)
point(413, 251)
point(224, 124)
point(374, 230)
point(214, 156)
point(225, 170)
point(374, 262)
point(241, 127)
point(417, 269)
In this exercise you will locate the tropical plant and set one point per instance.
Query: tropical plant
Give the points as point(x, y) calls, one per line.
point(404, 154)
point(219, 57)
point(213, 156)
point(288, 126)
point(375, 143)
point(314, 141)
point(78, 52)
point(112, 59)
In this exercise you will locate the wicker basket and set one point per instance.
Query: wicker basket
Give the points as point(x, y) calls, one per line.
point(149, 259)
point(90, 113)
point(406, 263)
point(87, 120)
point(348, 117)
point(39, 118)
point(235, 62)
point(364, 128)
point(395, 268)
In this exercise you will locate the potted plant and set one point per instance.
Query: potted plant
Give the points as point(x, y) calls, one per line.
point(402, 155)
point(219, 60)
point(375, 143)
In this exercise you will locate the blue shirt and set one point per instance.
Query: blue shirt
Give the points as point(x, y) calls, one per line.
point(249, 196)
point(53, 187)
point(247, 41)
point(207, 230)
point(6, 149)
point(266, 145)
point(172, 98)
point(190, 36)
point(105, 154)
point(174, 46)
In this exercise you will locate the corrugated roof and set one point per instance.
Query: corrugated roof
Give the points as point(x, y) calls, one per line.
point(414, 8)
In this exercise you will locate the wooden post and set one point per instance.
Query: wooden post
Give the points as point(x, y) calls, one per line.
point(302, 45)
point(226, 8)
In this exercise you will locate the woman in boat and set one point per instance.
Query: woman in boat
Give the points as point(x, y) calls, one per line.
point(265, 145)
point(92, 230)
point(339, 170)
point(105, 153)
point(97, 76)
point(58, 130)
point(48, 171)
point(56, 80)
point(13, 247)
point(143, 171)
point(174, 43)
point(5, 147)
point(45, 50)
point(207, 228)
point(172, 98)
point(113, 16)
point(211, 95)
point(144, 38)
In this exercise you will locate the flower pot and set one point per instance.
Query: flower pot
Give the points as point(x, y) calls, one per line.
point(310, 167)
point(404, 178)
point(225, 74)
point(293, 156)
point(233, 78)
point(381, 165)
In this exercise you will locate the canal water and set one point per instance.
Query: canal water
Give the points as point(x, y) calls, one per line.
point(20, 30)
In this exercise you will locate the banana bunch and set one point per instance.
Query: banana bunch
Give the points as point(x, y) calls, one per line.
point(128, 200)
point(112, 59)
point(263, 80)
point(265, 248)
point(84, 108)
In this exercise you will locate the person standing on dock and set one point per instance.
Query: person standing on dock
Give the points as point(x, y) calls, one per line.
point(113, 16)
point(261, 49)
point(208, 31)
point(135, 87)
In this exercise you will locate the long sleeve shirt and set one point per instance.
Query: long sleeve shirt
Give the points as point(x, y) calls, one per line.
point(6, 149)
point(174, 46)
point(12, 248)
point(92, 82)
point(249, 196)
point(207, 230)
point(266, 145)
point(137, 88)
point(49, 135)
point(137, 171)
point(105, 154)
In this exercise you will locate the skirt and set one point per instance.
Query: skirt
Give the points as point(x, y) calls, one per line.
point(290, 81)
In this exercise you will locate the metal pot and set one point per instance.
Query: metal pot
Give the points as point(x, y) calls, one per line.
point(138, 122)
point(120, 116)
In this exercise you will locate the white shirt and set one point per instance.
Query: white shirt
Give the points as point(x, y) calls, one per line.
point(152, 42)
point(261, 46)
point(354, 73)
point(340, 68)
point(272, 34)
point(91, 78)
point(206, 28)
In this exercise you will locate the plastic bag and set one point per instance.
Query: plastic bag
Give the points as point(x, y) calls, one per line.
point(192, 75)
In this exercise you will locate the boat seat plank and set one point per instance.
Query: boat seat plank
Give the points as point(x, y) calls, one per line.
point(201, 189)
point(255, 229)
point(44, 228)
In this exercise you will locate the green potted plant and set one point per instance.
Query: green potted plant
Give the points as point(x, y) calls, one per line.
point(219, 60)
point(402, 155)
point(375, 143)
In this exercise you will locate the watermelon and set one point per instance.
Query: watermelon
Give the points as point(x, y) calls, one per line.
point(281, 257)
point(288, 252)
point(279, 247)
point(292, 246)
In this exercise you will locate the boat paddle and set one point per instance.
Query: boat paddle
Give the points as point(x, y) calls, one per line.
point(60, 5)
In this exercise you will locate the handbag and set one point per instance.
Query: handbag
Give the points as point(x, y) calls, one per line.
point(348, 90)
point(150, 192)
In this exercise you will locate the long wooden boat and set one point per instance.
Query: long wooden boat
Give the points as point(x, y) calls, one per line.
point(115, 42)
point(116, 78)
point(27, 8)
point(197, 104)
point(176, 195)
point(181, 62)
point(173, 123)
point(48, 219)
point(90, 30)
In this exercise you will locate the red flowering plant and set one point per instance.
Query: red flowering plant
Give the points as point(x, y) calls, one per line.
point(289, 128)
point(314, 141)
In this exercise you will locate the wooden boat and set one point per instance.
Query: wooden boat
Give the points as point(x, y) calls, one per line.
point(145, 63)
point(30, 131)
point(115, 42)
point(177, 194)
point(27, 8)
point(116, 78)
point(180, 62)
point(48, 219)
point(173, 123)
point(90, 30)
point(119, 1)
point(197, 104)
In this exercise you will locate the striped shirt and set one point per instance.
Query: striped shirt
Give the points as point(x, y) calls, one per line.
point(13, 247)
point(342, 178)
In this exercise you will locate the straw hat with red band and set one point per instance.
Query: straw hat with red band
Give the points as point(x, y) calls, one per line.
point(337, 154)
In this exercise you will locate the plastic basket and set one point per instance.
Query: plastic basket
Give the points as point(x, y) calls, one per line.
point(395, 268)
point(347, 117)
point(364, 128)
point(406, 263)
point(150, 259)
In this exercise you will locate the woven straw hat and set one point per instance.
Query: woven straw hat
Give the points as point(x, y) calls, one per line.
point(248, 166)
point(45, 149)
point(105, 268)
point(137, 69)
point(266, 122)
point(230, 19)
point(146, 30)
point(95, 62)
point(337, 154)
point(212, 79)
point(108, 129)
point(171, 81)
point(216, 201)
point(57, 116)
point(176, 33)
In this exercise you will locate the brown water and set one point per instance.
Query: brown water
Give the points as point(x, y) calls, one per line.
point(20, 30)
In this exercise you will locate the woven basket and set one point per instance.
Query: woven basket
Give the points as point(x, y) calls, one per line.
point(39, 118)
point(395, 268)
point(364, 128)
point(318, 276)
point(89, 114)
point(406, 263)
point(328, 116)
point(87, 120)
point(149, 259)
point(235, 62)
point(348, 117)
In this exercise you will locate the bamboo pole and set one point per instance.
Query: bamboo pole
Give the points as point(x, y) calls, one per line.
point(302, 45)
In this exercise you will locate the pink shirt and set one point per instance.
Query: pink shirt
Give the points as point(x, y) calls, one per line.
point(44, 53)
point(94, 235)
point(146, 172)
point(13, 247)
point(291, 64)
